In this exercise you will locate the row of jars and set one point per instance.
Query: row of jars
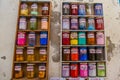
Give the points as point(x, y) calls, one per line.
point(82, 23)
point(83, 69)
point(30, 71)
point(30, 54)
point(34, 9)
point(33, 23)
point(83, 53)
point(31, 37)
point(83, 38)
point(82, 9)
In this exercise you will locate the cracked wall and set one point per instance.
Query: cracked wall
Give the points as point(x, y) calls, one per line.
point(8, 20)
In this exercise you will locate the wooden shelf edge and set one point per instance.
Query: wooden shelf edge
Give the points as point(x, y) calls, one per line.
point(30, 61)
point(84, 30)
point(82, 61)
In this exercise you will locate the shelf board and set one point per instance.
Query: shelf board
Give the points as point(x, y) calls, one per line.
point(85, 30)
point(82, 45)
point(82, 61)
point(30, 61)
point(99, 16)
point(31, 46)
point(85, 77)
point(34, 15)
point(31, 30)
point(29, 79)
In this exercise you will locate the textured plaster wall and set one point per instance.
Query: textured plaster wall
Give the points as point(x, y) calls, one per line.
point(8, 20)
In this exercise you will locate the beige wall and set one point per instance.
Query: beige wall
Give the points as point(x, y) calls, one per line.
point(8, 20)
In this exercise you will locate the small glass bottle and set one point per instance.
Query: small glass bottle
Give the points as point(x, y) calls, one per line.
point(44, 23)
point(30, 54)
point(66, 54)
point(90, 38)
point(18, 71)
point(34, 9)
point(43, 54)
point(45, 9)
point(42, 71)
point(30, 71)
point(33, 23)
point(19, 54)
point(24, 9)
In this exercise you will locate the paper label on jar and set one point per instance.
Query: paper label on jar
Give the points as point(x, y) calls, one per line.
point(30, 51)
point(43, 51)
point(99, 21)
point(45, 8)
point(31, 35)
point(17, 68)
point(74, 7)
point(83, 67)
point(82, 35)
point(100, 35)
point(98, 7)
point(83, 51)
point(91, 21)
point(92, 69)
point(73, 67)
point(82, 21)
point(42, 68)
point(74, 21)
point(24, 6)
point(101, 66)
point(19, 51)
point(74, 51)
point(30, 68)
point(66, 6)
point(65, 35)
point(92, 51)
point(33, 20)
point(66, 51)
point(66, 23)
point(82, 7)
point(98, 51)
point(43, 35)
point(65, 70)
point(21, 35)
point(34, 6)
point(73, 35)
point(91, 35)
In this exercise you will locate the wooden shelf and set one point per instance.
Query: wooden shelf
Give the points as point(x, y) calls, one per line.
point(31, 30)
point(30, 61)
point(84, 30)
point(82, 61)
point(99, 16)
point(31, 46)
point(34, 16)
point(29, 79)
point(83, 45)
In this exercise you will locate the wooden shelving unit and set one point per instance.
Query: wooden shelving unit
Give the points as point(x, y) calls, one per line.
point(20, 70)
point(67, 71)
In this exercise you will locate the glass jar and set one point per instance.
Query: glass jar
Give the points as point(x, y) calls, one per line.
point(82, 9)
point(100, 53)
point(65, 70)
point(74, 54)
point(34, 9)
point(43, 38)
point(74, 38)
point(91, 24)
point(42, 71)
point(22, 23)
point(30, 54)
point(33, 23)
point(91, 38)
point(45, 9)
point(24, 9)
point(66, 54)
point(90, 10)
point(31, 39)
point(66, 9)
point(18, 71)
point(74, 9)
point(100, 38)
point(92, 53)
point(21, 38)
point(43, 54)
point(82, 23)
point(66, 38)
point(66, 23)
point(74, 24)
point(99, 23)
point(44, 23)
point(30, 71)
point(19, 54)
